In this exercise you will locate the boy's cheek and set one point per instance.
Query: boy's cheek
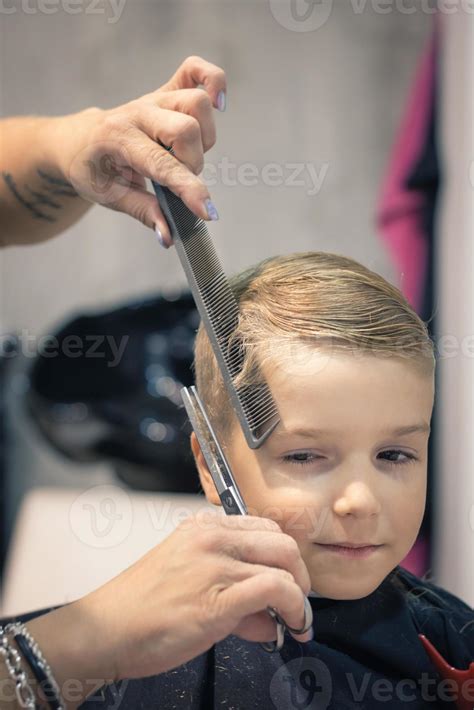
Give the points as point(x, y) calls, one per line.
point(302, 520)
point(304, 523)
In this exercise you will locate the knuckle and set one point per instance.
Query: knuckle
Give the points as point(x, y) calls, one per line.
point(289, 547)
point(183, 180)
point(178, 186)
point(209, 603)
point(209, 533)
point(190, 524)
point(201, 100)
point(204, 516)
point(131, 109)
point(206, 539)
point(214, 607)
point(113, 122)
point(148, 99)
point(185, 523)
point(159, 160)
point(229, 548)
point(276, 577)
point(139, 212)
point(190, 129)
point(272, 525)
point(192, 59)
point(224, 571)
point(287, 576)
point(235, 547)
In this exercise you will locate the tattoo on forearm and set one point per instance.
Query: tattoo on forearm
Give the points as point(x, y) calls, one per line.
point(36, 201)
point(30, 205)
point(43, 199)
point(58, 186)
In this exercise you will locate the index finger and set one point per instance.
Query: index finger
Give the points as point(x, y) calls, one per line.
point(237, 522)
point(269, 550)
point(196, 71)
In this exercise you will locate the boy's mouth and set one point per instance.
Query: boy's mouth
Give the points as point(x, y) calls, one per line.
point(350, 549)
point(350, 544)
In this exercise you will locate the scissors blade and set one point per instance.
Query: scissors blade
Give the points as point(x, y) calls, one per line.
point(217, 463)
point(226, 487)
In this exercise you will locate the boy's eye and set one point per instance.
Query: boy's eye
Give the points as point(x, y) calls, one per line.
point(301, 457)
point(305, 457)
point(409, 458)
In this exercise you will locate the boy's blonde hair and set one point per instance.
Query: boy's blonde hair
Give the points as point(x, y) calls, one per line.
point(317, 299)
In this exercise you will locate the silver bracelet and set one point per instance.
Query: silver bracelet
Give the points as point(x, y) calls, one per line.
point(24, 694)
point(44, 667)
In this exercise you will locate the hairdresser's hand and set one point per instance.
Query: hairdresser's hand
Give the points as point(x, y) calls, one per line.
point(107, 154)
point(213, 576)
point(103, 156)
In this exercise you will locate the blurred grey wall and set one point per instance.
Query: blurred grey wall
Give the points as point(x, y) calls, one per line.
point(330, 98)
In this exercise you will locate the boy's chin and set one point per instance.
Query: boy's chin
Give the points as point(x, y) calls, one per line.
point(346, 589)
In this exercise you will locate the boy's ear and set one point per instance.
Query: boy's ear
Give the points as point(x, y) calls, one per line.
point(205, 477)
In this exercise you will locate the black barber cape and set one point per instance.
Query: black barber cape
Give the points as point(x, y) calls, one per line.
point(366, 654)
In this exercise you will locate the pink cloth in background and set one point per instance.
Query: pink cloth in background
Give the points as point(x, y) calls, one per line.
point(417, 559)
point(399, 214)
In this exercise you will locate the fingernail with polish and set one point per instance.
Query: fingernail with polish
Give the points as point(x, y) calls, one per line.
point(221, 100)
point(212, 213)
point(160, 237)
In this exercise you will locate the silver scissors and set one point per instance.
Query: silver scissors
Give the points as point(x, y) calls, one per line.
point(230, 496)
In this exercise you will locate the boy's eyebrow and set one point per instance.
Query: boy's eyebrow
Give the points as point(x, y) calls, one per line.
point(398, 431)
point(410, 429)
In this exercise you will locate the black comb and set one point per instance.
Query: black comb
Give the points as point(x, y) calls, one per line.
point(219, 311)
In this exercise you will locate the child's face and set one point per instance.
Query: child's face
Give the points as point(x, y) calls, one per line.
point(341, 485)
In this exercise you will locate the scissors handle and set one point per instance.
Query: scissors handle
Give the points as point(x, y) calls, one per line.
point(281, 625)
point(273, 646)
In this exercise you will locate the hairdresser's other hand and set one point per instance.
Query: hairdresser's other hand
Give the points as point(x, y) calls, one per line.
point(213, 576)
point(107, 154)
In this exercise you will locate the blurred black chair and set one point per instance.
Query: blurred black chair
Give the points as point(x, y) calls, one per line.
point(108, 388)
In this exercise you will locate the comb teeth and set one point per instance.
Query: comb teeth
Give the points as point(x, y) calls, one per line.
point(218, 308)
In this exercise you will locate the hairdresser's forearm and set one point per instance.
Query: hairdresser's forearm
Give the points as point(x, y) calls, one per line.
point(70, 640)
point(36, 199)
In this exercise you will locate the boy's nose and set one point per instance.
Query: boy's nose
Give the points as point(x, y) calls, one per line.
point(357, 498)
